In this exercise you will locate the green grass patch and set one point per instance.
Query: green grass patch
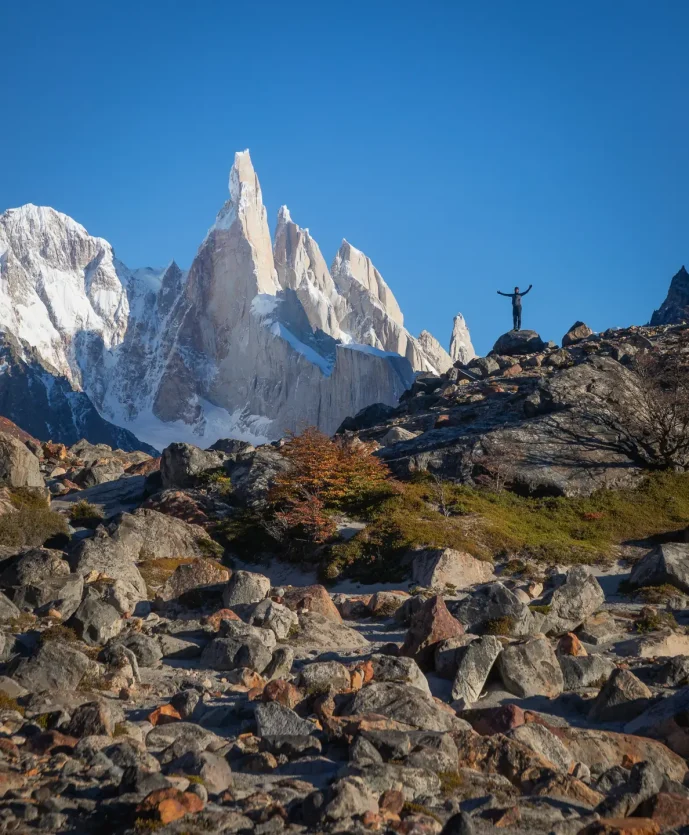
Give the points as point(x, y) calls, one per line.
point(59, 632)
point(83, 514)
point(32, 524)
point(652, 621)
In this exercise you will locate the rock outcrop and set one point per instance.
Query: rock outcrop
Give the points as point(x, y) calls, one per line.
point(675, 308)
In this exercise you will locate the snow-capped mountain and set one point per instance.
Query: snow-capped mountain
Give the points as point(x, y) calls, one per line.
point(254, 340)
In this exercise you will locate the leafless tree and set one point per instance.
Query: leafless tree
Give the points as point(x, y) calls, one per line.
point(651, 426)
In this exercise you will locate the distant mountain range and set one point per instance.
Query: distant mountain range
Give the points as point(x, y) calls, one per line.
point(256, 339)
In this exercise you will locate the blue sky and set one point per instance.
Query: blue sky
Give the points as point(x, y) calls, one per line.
point(465, 146)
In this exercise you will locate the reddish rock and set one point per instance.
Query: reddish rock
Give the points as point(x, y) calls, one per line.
point(215, 619)
point(57, 452)
point(499, 754)
point(168, 805)
point(311, 599)
point(668, 810)
point(71, 486)
point(513, 371)
point(503, 817)
point(431, 624)
point(180, 505)
point(164, 715)
point(144, 467)
point(50, 742)
point(282, 692)
point(569, 644)
point(8, 748)
point(391, 801)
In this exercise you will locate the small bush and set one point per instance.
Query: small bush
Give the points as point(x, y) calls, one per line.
point(83, 514)
point(8, 703)
point(210, 548)
point(32, 524)
point(540, 610)
point(450, 782)
point(59, 632)
point(657, 594)
point(652, 620)
point(500, 626)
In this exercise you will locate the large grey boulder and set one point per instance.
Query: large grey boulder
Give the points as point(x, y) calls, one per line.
point(253, 473)
point(439, 568)
point(493, 603)
point(581, 672)
point(274, 616)
point(56, 666)
point(400, 671)
point(148, 534)
point(96, 621)
point(104, 556)
point(544, 742)
point(246, 587)
point(40, 579)
point(573, 601)
point(621, 698)
point(181, 464)
point(19, 467)
point(475, 663)
point(530, 668)
point(404, 704)
point(668, 563)
point(273, 719)
point(516, 343)
point(228, 653)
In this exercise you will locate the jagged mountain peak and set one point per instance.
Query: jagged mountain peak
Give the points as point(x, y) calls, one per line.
point(255, 339)
point(461, 348)
point(675, 308)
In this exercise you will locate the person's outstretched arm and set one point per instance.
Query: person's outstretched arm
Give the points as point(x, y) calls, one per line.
point(526, 291)
point(504, 294)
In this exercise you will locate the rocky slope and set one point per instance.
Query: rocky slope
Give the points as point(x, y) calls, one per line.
point(535, 412)
point(147, 687)
point(255, 340)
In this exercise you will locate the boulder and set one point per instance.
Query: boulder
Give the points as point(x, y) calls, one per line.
point(544, 742)
point(324, 676)
point(405, 704)
point(581, 672)
point(19, 467)
point(245, 587)
point(320, 633)
point(56, 666)
point(399, 671)
point(192, 576)
point(310, 599)
point(483, 366)
point(274, 719)
point(530, 668)
point(146, 648)
point(148, 534)
point(245, 648)
point(99, 472)
point(602, 750)
point(516, 343)
point(475, 663)
point(439, 568)
point(576, 333)
point(96, 621)
point(430, 625)
point(182, 464)
point(666, 721)
point(620, 699)
point(668, 563)
point(573, 601)
point(492, 604)
point(274, 616)
point(396, 435)
point(253, 474)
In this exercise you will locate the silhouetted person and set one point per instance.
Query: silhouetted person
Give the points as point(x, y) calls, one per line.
point(516, 305)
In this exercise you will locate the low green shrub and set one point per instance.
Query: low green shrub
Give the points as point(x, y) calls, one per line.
point(83, 514)
point(33, 522)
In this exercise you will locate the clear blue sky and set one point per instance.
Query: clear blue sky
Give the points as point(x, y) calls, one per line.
point(465, 146)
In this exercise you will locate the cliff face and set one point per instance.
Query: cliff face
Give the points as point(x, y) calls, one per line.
point(254, 340)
